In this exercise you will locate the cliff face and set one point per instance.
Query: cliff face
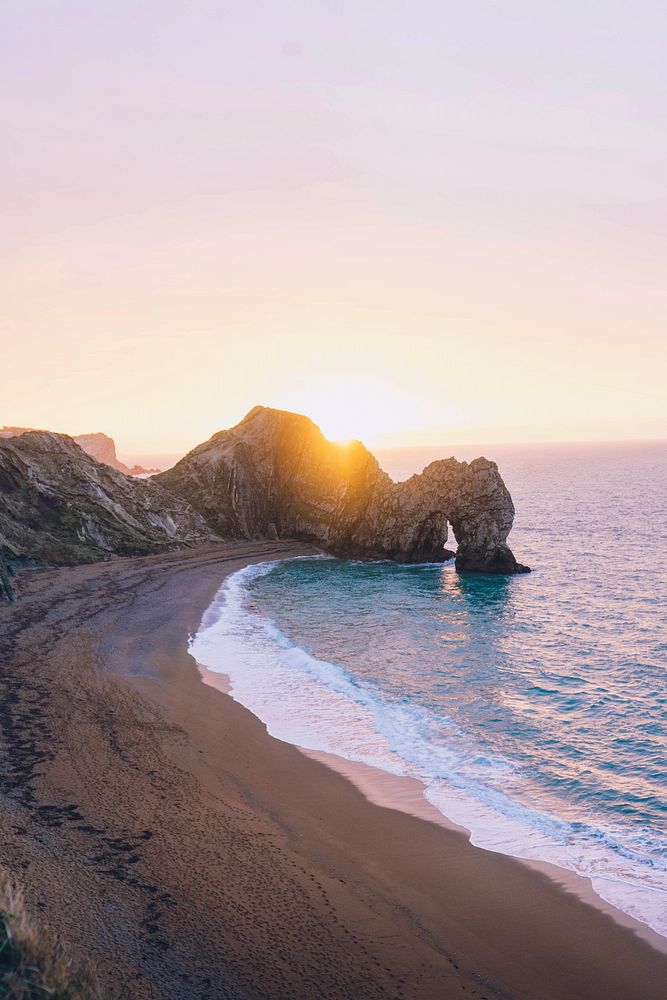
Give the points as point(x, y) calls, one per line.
point(58, 505)
point(103, 449)
point(99, 446)
point(275, 474)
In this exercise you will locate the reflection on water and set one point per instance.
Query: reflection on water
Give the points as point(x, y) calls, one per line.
point(477, 589)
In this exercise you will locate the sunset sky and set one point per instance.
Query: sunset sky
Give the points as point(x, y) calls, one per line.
point(418, 222)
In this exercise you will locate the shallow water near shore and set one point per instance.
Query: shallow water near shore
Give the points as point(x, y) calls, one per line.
point(532, 708)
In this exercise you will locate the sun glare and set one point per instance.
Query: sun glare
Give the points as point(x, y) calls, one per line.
point(354, 418)
point(355, 408)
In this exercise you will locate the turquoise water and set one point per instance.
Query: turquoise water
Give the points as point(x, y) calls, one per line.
point(533, 708)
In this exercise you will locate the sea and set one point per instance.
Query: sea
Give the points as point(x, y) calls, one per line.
point(532, 708)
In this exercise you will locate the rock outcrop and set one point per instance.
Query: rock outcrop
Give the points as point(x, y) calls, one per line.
point(60, 506)
point(7, 591)
point(103, 448)
point(276, 475)
point(99, 446)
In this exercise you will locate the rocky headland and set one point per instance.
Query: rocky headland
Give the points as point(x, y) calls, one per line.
point(99, 446)
point(60, 506)
point(275, 475)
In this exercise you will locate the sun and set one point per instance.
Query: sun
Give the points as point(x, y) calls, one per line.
point(342, 423)
point(356, 408)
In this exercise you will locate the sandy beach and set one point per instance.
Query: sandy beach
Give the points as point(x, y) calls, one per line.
point(156, 825)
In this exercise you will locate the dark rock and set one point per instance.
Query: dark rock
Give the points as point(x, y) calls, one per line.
point(7, 591)
point(99, 446)
point(60, 506)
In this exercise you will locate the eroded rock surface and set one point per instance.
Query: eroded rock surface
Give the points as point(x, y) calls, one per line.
point(276, 475)
point(7, 591)
point(99, 446)
point(60, 506)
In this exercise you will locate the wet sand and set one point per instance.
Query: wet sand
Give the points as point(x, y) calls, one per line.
point(157, 826)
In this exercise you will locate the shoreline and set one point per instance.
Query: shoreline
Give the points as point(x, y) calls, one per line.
point(406, 794)
point(152, 820)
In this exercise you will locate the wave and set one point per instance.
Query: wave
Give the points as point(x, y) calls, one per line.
point(318, 705)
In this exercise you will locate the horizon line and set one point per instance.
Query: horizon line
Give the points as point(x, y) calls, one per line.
point(436, 445)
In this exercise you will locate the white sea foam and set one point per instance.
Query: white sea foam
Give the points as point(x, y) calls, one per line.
point(317, 705)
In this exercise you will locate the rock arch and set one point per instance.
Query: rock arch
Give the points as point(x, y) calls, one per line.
point(409, 520)
point(289, 481)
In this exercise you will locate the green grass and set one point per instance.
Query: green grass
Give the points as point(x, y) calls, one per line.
point(34, 963)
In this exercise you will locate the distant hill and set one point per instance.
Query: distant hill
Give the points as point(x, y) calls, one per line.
point(103, 449)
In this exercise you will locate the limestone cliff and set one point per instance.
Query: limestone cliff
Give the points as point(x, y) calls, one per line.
point(276, 475)
point(60, 506)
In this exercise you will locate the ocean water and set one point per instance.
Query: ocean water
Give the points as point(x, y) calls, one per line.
point(533, 708)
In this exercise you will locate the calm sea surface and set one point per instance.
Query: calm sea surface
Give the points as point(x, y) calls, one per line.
point(534, 708)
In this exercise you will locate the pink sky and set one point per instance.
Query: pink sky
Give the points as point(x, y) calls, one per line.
point(416, 222)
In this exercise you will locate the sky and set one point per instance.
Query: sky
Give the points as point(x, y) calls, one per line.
point(417, 222)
